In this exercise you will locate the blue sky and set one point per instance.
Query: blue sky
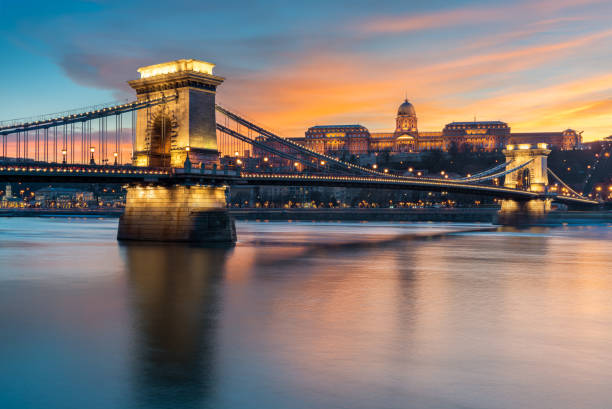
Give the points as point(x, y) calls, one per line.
point(538, 65)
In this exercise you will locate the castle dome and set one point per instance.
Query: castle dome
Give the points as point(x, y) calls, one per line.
point(406, 109)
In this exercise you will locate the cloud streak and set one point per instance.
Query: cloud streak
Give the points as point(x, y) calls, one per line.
point(537, 63)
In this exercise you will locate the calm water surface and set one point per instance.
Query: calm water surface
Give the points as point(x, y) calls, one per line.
point(306, 315)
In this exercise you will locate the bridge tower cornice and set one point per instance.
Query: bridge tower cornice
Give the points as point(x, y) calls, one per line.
point(204, 82)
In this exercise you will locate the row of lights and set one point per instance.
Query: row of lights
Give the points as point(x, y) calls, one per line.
point(363, 179)
point(82, 170)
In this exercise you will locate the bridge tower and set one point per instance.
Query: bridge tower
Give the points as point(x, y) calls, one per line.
point(532, 177)
point(166, 134)
point(185, 125)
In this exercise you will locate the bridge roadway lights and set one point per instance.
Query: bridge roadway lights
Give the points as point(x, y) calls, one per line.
point(178, 213)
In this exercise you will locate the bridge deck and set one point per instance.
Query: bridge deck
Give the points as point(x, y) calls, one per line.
point(61, 173)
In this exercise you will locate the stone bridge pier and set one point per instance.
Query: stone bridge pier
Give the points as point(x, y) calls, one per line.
point(532, 177)
point(176, 134)
point(179, 213)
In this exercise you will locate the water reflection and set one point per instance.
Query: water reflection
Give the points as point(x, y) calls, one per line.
point(175, 305)
point(296, 317)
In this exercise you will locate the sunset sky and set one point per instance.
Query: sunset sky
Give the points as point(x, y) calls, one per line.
point(538, 65)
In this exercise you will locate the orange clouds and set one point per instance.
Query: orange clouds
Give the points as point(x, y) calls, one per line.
point(323, 87)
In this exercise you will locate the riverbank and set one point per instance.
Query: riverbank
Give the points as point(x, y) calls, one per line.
point(458, 215)
point(33, 212)
point(467, 215)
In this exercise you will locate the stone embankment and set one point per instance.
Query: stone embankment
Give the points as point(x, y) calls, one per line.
point(459, 215)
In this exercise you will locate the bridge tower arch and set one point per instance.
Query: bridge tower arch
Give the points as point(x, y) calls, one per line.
point(533, 177)
point(184, 124)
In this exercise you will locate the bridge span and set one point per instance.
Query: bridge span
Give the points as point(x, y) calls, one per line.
point(65, 173)
point(176, 184)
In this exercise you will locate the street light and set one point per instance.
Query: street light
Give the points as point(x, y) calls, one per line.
point(116, 155)
point(187, 164)
point(64, 152)
point(92, 150)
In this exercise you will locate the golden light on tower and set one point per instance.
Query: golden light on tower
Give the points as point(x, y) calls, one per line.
point(172, 67)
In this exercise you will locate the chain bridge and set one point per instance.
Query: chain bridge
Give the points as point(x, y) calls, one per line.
point(169, 156)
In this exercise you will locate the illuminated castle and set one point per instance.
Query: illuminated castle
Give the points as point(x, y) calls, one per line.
point(477, 135)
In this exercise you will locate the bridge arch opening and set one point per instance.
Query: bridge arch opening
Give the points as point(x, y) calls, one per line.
point(523, 179)
point(160, 141)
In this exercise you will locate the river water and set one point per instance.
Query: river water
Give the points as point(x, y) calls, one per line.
point(306, 315)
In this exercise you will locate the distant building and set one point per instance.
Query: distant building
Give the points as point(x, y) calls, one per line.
point(62, 197)
point(353, 139)
point(478, 135)
point(9, 201)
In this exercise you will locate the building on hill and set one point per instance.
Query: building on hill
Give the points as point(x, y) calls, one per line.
point(478, 135)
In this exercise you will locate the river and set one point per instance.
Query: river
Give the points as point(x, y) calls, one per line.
point(306, 315)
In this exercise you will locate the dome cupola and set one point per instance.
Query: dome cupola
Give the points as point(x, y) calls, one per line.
point(406, 109)
point(406, 120)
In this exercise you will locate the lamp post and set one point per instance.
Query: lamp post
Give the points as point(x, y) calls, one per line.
point(64, 152)
point(116, 155)
point(92, 150)
point(187, 164)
